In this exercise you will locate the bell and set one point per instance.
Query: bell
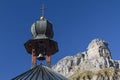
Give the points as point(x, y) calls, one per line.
point(41, 57)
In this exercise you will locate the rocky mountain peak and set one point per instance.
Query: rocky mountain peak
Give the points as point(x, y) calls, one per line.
point(96, 58)
point(98, 48)
point(97, 42)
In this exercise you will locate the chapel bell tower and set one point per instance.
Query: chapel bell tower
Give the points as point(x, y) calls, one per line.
point(41, 46)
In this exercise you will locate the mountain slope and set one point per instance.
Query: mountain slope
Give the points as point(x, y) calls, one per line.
point(95, 63)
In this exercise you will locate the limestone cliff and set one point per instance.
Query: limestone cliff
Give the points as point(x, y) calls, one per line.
point(95, 63)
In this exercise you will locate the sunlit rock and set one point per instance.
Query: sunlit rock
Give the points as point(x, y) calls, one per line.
point(95, 63)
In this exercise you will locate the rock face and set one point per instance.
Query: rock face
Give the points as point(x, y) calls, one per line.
point(98, 48)
point(95, 63)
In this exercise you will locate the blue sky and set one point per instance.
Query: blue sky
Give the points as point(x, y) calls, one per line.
point(75, 23)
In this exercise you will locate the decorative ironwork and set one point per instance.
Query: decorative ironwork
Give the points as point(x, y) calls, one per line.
point(43, 9)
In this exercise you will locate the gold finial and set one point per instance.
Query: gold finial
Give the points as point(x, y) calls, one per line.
point(42, 18)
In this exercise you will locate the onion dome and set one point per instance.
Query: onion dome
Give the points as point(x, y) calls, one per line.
point(40, 73)
point(42, 29)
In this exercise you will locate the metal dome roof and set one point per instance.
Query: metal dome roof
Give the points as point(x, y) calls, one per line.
point(42, 29)
point(40, 72)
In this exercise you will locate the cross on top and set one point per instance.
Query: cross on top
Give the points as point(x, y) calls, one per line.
point(43, 9)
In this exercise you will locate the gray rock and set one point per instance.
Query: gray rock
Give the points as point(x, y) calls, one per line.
point(98, 48)
point(97, 57)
